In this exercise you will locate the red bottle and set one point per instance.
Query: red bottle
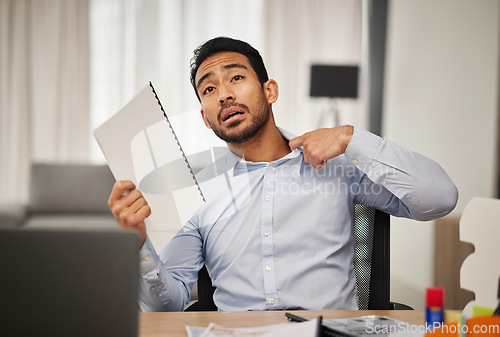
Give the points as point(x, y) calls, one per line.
point(434, 308)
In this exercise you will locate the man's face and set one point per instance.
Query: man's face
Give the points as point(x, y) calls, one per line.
point(233, 101)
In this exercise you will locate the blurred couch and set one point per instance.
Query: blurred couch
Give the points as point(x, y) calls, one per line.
point(72, 196)
point(64, 196)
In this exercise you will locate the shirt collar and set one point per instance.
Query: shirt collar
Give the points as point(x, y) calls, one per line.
point(232, 159)
point(286, 134)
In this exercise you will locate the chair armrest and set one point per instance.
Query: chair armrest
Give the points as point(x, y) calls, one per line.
point(192, 306)
point(12, 215)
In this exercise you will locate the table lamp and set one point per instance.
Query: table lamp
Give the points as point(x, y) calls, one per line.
point(334, 82)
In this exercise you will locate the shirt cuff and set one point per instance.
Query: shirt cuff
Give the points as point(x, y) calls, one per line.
point(362, 149)
point(148, 259)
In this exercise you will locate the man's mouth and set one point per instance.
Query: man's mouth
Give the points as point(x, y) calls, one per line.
point(231, 112)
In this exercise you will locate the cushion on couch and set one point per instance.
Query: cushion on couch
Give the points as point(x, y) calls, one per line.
point(70, 188)
point(12, 215)
point(70, 221)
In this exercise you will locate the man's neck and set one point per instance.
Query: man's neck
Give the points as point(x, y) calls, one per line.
point(266, 146)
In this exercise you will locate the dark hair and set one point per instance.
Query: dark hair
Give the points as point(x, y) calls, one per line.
point(222, 44)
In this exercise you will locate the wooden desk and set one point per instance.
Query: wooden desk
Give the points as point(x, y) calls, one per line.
point(156, 324)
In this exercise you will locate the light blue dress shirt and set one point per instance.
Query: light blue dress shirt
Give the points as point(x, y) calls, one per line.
point(279, 235)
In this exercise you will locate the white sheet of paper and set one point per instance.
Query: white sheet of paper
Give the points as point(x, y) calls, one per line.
point(139, 145)
point(303, 329)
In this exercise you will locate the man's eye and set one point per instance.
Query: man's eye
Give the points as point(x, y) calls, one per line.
point(237, 78)
point(208, 90)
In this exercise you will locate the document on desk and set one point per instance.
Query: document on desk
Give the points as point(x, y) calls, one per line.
point(374, 325)
point(309, 328)
point(140, 145)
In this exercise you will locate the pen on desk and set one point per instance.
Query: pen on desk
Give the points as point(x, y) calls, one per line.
point(325, 331)
point(294, 318)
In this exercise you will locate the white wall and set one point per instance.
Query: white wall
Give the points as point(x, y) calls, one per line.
point(441, 100)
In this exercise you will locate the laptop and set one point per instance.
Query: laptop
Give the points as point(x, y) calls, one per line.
point(57, 282)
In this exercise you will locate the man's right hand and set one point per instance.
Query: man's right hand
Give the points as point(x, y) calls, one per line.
point(129, 207)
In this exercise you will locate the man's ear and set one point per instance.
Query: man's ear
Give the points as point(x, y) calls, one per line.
point(271, 91)
point(205, 119)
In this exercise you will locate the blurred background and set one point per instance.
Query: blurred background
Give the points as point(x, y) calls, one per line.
point(428, 79)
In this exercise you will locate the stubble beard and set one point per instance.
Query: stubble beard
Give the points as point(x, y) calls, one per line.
point(258, 121)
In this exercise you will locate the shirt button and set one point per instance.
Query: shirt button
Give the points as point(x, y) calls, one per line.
point(355, 161)
point(266, 233)
point(267, 198)
point(272, 301)
point(160, 287)
point(268, 268)
point(384, 182)
point(271, 165)
point(147, 258)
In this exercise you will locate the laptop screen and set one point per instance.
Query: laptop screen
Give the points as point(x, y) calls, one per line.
point(69, 282)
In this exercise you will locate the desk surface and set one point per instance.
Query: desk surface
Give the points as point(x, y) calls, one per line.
point(173, 323)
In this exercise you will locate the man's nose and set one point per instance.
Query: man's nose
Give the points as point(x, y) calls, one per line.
point(225, 94)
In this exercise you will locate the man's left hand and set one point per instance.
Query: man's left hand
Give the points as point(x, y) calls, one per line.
point(323, 144)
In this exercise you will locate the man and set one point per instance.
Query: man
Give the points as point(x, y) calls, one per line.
point(276, 230)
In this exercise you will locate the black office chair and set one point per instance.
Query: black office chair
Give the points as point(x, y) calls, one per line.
point(372, 259)
point(371, 265)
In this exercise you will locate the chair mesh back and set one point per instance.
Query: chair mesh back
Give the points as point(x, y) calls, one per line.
point(364, 218)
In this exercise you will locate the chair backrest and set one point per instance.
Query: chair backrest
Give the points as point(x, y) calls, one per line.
point(371, 263)
point(480, 270)
point(371, 258)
